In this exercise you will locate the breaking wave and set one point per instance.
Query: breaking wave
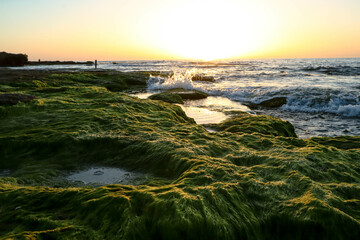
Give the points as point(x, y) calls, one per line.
point(347, 106)
point(176, 80)
point(310, 100)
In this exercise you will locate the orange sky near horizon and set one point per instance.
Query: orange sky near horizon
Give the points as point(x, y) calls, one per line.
point(173, 29)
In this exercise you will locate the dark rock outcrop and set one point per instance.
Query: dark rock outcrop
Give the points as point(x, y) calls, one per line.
point(274, 102)
point(14, 98)
point(12, 60)
point(271, 103)
point(200, 77)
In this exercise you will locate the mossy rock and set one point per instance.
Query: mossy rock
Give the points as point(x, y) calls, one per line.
point(56, 80)
point(167, 97)
point(246, 123)
point(342, 142)
point(188, 94)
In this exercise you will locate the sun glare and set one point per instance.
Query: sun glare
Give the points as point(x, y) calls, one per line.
point(208, 30)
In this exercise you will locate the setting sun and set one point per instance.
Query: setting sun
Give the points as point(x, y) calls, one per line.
point(209, 30)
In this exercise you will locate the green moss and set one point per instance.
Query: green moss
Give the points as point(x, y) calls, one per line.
point(342, 142)
point(254, 180)
point(167, 97)
point(246, 123)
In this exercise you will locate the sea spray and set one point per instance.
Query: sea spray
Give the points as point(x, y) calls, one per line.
point(180, 79)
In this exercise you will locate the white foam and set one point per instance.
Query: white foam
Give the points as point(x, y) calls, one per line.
point(340, 105)
point(177, 80)
point(349, 110)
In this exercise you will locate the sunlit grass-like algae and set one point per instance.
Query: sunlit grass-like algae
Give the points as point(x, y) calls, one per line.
point(254, 179)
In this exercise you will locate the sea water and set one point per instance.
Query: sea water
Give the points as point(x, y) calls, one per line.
point(323, 95)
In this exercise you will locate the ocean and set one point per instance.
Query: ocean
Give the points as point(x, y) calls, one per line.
point(322, 95)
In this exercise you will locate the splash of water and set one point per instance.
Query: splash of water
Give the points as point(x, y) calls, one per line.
point(180, 79)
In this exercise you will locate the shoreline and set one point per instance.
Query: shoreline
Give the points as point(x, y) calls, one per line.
point(34, 74)
point(40, 63)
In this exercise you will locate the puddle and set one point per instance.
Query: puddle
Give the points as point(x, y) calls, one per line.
point(142, 95)
point(217, 103)
point(4, 173)
point(204, 116)
point(210, 130)
point(106, 175)
point(205, 111)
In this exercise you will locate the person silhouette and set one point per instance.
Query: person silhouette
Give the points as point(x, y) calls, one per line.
point(95, 64)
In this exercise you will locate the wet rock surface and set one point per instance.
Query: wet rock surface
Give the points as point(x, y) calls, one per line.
point(271, 103)
point(203, 78)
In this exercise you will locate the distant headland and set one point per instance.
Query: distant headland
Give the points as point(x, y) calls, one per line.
point(19, 60)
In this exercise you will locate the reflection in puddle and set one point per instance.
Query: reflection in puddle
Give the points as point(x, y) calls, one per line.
point(106, 175)
point(217, 103)
point(204, 116)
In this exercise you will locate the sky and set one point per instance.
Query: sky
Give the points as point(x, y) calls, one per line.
point(180, 29)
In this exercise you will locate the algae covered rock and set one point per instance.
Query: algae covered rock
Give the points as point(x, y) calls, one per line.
point(123, 81)
point(342, 142)
point(246, 123)
point(167, 97)
point(188, 94)
point(177, 95)
point(14, 98)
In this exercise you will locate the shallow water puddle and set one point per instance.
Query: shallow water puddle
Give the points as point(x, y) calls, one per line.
point(4, 173)
point(218, 103)
point(106, 175)
point(204, 116)
point(142, 95)
point(210, 130)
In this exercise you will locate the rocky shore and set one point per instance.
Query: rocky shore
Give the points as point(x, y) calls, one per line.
point(252, 179)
